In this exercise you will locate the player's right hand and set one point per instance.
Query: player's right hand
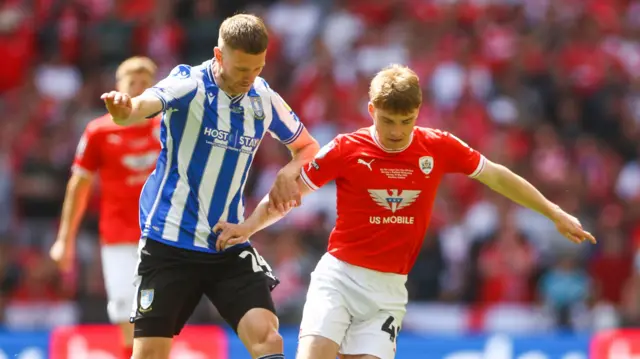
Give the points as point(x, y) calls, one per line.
point(118, 104)
point(62, 255)
point(230, 234)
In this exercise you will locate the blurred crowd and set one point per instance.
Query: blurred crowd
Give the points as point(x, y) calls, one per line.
point(550, 89)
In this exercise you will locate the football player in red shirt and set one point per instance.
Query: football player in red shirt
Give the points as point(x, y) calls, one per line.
point(122, 158)
point(387, 176)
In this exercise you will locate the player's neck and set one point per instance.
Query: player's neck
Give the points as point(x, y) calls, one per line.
point(376, 139)
point(217, 75)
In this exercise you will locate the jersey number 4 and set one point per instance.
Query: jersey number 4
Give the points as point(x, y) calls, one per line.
point(388, 327)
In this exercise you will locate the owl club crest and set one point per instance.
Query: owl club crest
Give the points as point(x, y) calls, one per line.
point(146, 298)
point(256, 106)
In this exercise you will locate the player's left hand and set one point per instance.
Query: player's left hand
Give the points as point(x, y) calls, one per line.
point(570, 227)
point(230, 234)
point(285, 194)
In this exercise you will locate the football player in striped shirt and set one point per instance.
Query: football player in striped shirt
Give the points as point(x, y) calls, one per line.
point(214, 117)
point(387, 177)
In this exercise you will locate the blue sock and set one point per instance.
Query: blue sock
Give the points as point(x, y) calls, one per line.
point(272, 356)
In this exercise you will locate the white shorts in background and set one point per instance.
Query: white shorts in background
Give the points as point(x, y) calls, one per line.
point(358, 308)
point(118, 267)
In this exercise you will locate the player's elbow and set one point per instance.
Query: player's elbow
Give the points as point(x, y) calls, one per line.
point(78, 187)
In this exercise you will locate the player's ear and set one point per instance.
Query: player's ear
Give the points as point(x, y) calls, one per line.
point(217, 54)
point(372, 110)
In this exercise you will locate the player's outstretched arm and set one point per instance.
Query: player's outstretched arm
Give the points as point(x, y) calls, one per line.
point(517, 189)
point(127, 111)
point(263, 216)
point(73, 208)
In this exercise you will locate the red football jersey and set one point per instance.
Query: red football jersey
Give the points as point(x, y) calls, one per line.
point(123, 157)
point(385, 197)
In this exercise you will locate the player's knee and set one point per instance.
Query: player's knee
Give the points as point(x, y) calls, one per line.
point(258, 330)
point(270, 342)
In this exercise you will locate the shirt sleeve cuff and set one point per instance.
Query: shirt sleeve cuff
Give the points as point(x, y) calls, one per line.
point(305, 178)
point(156, 93)
point(295, 135)
point(479, 168)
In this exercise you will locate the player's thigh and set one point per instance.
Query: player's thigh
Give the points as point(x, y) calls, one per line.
point(325, 312)
point(166, 295)
point(245, 285)
point(242, 296)
point(235, 298)
point(316, 347)
point(118, 268)
point(375, 337)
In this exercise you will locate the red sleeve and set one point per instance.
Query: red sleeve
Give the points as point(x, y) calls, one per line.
point(87, 158)
point(324, 167)
point(459, 157)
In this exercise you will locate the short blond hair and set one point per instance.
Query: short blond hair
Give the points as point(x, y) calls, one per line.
point(136, 64)
point(244, 32)
point(396, 89)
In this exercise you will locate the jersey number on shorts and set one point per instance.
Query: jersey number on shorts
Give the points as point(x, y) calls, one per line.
point(388, 327)
point(257, 262)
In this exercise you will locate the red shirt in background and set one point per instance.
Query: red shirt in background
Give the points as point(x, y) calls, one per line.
point(123, 157)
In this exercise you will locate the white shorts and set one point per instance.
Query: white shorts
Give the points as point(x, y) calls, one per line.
point(118, 267)
point(358, 308)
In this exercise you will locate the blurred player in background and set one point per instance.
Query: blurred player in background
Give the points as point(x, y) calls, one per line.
point(387, 176)
point(214, 118)
point(123, 158)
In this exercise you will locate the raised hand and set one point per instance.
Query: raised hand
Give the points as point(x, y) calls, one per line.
point(118, 104)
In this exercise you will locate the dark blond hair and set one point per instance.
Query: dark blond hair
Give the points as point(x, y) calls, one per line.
point(396, 89)
point(136, 64)
point(244, 32)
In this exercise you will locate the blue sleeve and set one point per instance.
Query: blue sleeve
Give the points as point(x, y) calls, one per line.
point(285, 126)
point(176, 90)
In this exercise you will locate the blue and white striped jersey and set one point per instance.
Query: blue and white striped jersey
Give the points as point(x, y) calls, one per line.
point(208, 143)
